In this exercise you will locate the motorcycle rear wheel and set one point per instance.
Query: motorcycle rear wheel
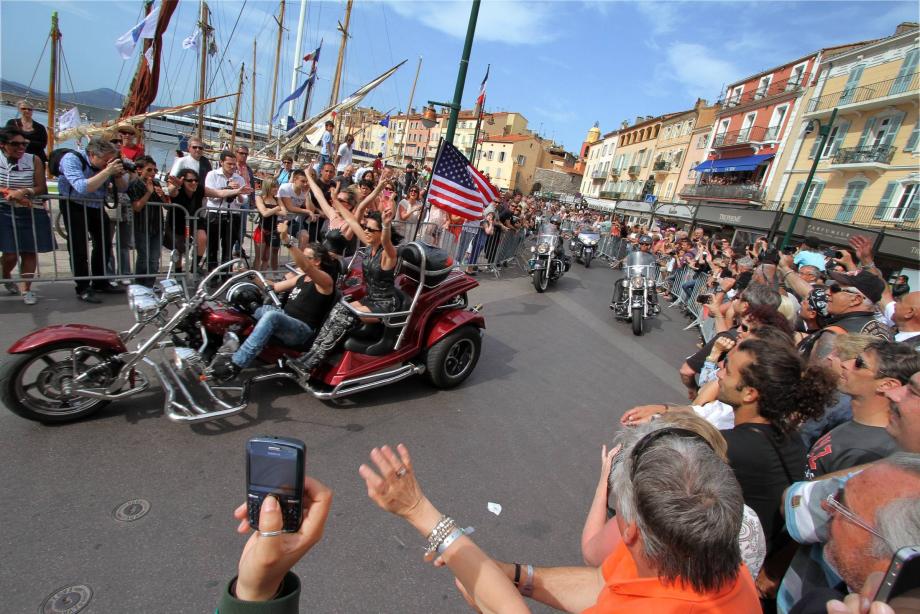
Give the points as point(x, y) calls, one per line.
point(637, 320)
point(452, 359)
point(43, 399)
point(540, 281)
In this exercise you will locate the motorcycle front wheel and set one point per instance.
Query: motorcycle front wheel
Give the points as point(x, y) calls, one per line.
point(540, 280)
point(637, 320)
point(588, 260)
point(32, 384)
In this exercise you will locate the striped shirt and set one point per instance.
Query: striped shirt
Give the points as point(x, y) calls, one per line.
point(17, 174)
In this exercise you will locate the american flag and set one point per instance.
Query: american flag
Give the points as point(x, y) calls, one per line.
point(457, 187)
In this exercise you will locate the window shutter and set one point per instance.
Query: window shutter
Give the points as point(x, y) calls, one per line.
point(913, 209)
point(902, 82)
point(790, 206)
point(814, 146)
point(850, 200)
point(866, 133)
point(814, 198)
point(893, 126)
point(912, 140)
point(849, 90)
point(842, 128)
point(886, 199)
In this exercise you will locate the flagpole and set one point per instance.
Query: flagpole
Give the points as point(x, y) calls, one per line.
point(271, 108)
point(479, 108)
point(426, 206)
point(306, 104)
point(402, 142)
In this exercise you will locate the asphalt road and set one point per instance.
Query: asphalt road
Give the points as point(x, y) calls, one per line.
point(524, 431)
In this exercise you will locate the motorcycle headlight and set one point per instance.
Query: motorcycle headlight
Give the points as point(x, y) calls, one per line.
point(637, 282)
point(170, 290)
point(543, 248)
point(591, 242)
point(142, 302)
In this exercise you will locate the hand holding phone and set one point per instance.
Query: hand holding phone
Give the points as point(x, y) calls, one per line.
point(275, 467)
point(266, 560)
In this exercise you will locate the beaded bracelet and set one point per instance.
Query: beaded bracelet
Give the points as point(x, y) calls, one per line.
point(439, 533)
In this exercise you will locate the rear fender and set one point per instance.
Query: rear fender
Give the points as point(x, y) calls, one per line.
point(446, 323)
point(51, 335)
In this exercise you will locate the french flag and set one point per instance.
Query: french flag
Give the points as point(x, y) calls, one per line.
point(481, 100)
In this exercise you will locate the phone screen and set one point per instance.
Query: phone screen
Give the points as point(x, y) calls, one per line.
point(273, 468)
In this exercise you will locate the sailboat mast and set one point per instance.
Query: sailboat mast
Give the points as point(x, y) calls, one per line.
point(252, 123)
point(402, 141)
point(271, 110)
point(236, 110)
point(203, 64)
point(52, 84)
point(298, 48)
point(334, 97)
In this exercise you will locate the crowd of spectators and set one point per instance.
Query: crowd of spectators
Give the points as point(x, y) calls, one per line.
point(787, 484)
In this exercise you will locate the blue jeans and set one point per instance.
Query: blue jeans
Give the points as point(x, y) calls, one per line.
point(466, 237)
point(272, 322)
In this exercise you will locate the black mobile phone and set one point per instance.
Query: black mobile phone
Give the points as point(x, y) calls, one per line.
point(275, 466)
point(903, 575)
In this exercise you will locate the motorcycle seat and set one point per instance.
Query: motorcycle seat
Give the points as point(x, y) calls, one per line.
point(373, 338)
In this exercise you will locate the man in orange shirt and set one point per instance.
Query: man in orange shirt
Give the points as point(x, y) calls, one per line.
point(679, 511)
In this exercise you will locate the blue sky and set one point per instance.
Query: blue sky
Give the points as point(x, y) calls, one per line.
point(563, 64)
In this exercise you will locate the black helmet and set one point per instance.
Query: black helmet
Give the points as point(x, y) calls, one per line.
point(245, 296)
point(555, 220)
point(645, 240)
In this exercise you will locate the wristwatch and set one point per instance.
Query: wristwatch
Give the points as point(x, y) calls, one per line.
point(290, 242)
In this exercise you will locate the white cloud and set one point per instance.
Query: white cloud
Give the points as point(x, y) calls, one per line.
point(663, 17)
point(514, 22)
point(697, 68)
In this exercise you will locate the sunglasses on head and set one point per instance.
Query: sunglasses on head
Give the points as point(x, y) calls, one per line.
point(646, 442)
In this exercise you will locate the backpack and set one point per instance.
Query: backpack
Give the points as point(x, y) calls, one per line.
point(54, 160)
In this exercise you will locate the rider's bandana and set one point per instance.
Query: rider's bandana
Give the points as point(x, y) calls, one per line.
point(817, 300)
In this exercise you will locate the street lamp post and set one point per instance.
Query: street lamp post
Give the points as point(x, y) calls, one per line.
point(824, 131)
point(454, 106)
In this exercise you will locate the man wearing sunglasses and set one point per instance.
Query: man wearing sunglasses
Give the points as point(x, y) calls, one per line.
point(195, 160)
point(881, 367)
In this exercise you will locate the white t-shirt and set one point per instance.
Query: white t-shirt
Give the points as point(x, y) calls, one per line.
point(185, 162)
point(405, 205)
point(344, 157)
point(286, 190)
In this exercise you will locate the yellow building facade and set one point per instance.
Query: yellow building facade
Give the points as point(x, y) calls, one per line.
point(867, 173)
point(510, 161)
point(632, 165)
point(674, 145)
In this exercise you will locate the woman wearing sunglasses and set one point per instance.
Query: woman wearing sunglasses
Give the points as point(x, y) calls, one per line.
point(33, 131)
point(25, 228)
point(376, 233)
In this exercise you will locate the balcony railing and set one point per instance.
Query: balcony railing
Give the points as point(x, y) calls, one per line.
point(905, 217)
point(753, 134)
point(661, 165)
point(634, 169)
point(614, 172)
point(864, 155)
point(866, 93)
point(774, 89)
point(745, 191)
point(598, 174)
point(610, 195)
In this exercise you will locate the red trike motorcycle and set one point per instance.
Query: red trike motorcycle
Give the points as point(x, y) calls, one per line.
point(65, 372)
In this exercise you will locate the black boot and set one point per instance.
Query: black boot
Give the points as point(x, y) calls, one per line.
point(223, 369)
point(339, 322)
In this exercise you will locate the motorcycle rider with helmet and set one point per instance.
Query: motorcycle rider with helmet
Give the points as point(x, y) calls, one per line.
point(554, 227)
point(644, 245)
point(310, 299)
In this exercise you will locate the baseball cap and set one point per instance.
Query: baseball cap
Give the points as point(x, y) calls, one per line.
point(871, 285)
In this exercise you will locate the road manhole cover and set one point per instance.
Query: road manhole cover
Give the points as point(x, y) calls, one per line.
point(67, 600)
point(129, 511)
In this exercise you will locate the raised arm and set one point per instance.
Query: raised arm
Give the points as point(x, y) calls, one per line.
point(320, 197)
point(791, 279)
point(320, 277)
point(389, 250)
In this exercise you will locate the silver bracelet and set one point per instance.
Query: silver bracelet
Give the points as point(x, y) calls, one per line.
point(450, 539)
point(439, 533)
point(526, 589)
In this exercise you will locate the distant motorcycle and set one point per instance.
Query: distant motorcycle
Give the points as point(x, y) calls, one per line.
point(546, 263)
point(634, 296)
point(584, 246)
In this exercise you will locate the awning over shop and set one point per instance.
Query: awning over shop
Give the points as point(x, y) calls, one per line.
point(601, 204)
point(728, 165)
